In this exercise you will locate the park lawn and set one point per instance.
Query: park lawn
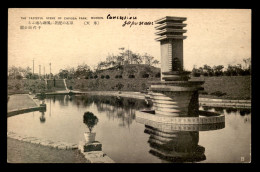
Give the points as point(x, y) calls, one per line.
point(235, 87)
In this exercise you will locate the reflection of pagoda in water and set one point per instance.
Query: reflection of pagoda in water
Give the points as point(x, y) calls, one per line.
point(175, 146)
point(176, 142)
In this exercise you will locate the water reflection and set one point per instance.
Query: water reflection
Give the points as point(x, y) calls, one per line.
point(175, 146)
point(42, 117)
point(228, 110)
point(114, 107)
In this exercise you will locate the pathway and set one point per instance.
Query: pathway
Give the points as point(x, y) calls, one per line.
point(24, 152)
point(20, 101)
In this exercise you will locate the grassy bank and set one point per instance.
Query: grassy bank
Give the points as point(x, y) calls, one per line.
point(232, 87)
point(130, 84)
point(24, 86)
point(225, 87)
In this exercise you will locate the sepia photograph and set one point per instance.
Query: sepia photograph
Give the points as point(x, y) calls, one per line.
point(129, 85)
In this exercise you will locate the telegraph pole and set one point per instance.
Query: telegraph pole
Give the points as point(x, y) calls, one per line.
point(39, 71)
point(50, 70)
point(128, 55)
point(33, 67)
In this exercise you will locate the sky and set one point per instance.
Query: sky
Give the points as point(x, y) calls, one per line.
point(214, 36)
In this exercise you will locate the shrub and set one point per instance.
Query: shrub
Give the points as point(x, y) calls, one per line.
point(90, 120)
point(146, 75)
point(102, 76)
point(19, 77)
point(95, 76)
point(70, 88)
point(18, 86)
point(211, 73)
point(131, 76)
point(119, 86)
point(218, 73)
point(107, 76)
point(158, 75)
point(41, 86)
point(205, 74)
point(118, 76)
point(196, 74)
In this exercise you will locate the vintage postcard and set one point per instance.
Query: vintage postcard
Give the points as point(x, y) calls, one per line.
point(100, 85)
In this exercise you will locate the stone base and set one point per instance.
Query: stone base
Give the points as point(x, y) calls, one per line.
point(169, 124)
point(175, 98)
point(92, 152)
point(94, 146)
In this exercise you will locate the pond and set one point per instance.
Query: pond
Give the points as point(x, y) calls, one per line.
point(127, 141)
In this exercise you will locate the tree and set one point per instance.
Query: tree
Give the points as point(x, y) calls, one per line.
point(148, 59)
point(247, 63)
point(231, 71)
point(26, 71)
point(29, 75)
point(102, 65)
point(69, 72)
point(207, 70)
point(120, 60)
point(63, 74)
point(90, 120)
point(155, 62)
point(247, 66)
point(238, 69)
point(83, 71)
point(136, 58)
point(13, 71)
point(218, 70)
point(196, 72)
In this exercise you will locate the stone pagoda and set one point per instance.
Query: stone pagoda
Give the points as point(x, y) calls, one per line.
point(175, 98)
point(175, 122)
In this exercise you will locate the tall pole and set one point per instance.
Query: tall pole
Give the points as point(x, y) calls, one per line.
point(50, 70)
point(39, 71)
point(33, 66)
point(128, 54)
point(44, 71)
